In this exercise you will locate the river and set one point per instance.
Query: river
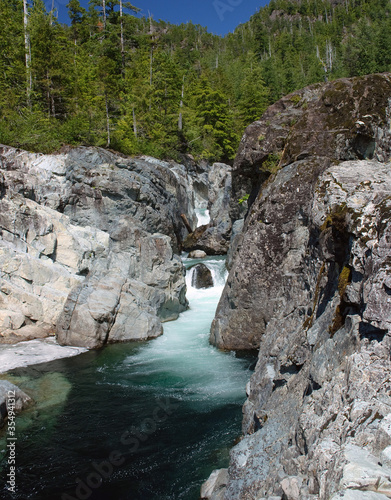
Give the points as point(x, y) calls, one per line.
point(138, 421)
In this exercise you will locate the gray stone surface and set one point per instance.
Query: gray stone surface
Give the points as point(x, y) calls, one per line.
point(33, 352)
point(235, 241)
point(197, 254)
point(358, 495)
point(88, 242)
point(309, 287)
point(213, 488)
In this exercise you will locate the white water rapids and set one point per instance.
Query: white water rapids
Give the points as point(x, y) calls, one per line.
point(182, 360)
point(203, 217)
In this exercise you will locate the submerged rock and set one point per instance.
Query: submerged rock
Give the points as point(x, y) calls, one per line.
point(11, 395)
point(309, 287)
point(201, 276)
point(197, 254)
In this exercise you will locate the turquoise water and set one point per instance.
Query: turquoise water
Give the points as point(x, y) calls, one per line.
point(133, 421)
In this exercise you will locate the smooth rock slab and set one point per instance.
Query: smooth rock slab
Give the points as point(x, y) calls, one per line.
point(358, 495)
point(364, 473)
point(34, 352)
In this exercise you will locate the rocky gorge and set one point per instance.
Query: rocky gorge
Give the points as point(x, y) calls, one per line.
point(89, 252)
point(89, 249)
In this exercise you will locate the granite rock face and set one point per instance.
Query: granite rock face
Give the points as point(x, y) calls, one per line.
point(341, 120)
point(88, 242)
point(279, 225)
point(309, 287)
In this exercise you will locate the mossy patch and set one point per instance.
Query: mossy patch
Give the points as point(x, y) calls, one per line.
point(243, 199)
point(309, 321)
point(338, 321)
point(336, 219)
point(345, 278)
point(295, 99)
point(272, 163)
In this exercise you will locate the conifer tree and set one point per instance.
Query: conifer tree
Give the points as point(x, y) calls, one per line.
point(254, 95)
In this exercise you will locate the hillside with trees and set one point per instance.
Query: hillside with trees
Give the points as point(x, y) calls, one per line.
point(141, 86)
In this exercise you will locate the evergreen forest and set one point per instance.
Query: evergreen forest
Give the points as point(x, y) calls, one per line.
point(139, 86)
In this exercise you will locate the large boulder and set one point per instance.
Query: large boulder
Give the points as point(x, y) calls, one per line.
point(126, 297)
point(88, 242)
point(201, 276)
point(197, 254)
point(309, 287)
point(341, 120)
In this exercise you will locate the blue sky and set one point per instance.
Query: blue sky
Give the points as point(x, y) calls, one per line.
point(220, 16)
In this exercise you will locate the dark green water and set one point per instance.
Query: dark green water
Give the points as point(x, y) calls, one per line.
point(139, 421)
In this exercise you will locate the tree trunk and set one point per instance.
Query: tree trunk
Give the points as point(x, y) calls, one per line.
point(50, 96)
point(122, 37)
point(186, 223)
point(107, 120)
point(104, 14)
point(134, 123)
point(27, 51)
point(180, 119)
point(151, 68)
point(51, 14)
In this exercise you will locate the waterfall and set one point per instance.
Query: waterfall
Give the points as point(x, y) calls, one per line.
point(216, 265)
point(203, 216)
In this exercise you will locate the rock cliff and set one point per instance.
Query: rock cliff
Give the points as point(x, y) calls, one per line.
point(88, 245)
point(310, 288)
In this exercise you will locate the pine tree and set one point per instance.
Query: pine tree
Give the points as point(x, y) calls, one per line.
point(254, 95)
point(215, 122)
